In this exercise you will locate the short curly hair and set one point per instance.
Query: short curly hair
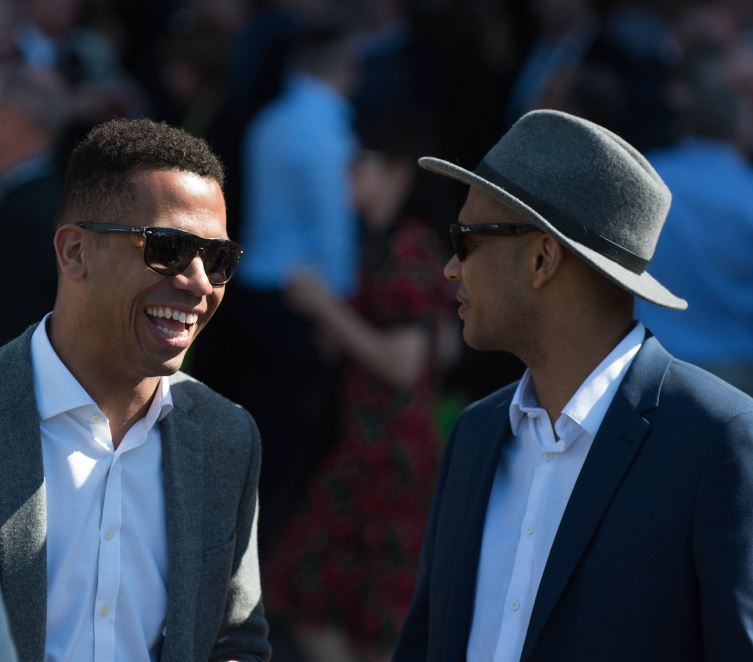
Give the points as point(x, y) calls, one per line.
point(97, 180)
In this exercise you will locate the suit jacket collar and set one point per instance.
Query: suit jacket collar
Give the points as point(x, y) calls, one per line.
point(620, 436)
point(479, 468)
point(182, 461)
point(23, 521)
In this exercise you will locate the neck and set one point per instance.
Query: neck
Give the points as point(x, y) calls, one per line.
point(558, 372)
point(124, 401)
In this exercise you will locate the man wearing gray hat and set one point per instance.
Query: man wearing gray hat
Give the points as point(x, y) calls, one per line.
point(601, 508)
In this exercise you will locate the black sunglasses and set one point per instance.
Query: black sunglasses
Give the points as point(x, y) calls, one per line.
point(169, 251)
point(460, 234)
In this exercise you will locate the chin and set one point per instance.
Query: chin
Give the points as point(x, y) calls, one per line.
point(470, 339)
point(167, 367)
point(477, 341)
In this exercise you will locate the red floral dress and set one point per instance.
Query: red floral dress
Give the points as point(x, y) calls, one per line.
point(348, 556)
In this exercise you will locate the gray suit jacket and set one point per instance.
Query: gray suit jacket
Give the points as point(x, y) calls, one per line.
point(210, 459)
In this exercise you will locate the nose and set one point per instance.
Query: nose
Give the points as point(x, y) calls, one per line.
point(194, 279)
point(452, 268)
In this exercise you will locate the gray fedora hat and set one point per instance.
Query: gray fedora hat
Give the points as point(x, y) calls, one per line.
point(585, 186)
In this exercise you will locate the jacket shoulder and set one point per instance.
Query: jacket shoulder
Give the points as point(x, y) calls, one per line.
point(209, 408)
point(703, 394)
point(488, 403)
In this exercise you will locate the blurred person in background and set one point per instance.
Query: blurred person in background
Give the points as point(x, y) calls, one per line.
point(49, 35)
point(297, 213)
point(566, 32)
point(705, 250)
point(7, 42)
point(32, 113)
point(341, 571)
point(254, 76)
point(390, 79)
point(75, 40)
point(637, 45)
point(193, 60)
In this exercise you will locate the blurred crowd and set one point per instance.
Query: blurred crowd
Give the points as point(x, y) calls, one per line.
point(338, 332)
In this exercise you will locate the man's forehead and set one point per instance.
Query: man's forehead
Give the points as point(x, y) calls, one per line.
point(480, 207)
point(179, 198)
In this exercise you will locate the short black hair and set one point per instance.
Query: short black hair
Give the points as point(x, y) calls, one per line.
point(97, 179)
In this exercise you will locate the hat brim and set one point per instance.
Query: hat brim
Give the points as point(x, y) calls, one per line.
point(643, 285)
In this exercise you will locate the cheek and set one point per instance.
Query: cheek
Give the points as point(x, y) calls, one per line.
point(214, 300)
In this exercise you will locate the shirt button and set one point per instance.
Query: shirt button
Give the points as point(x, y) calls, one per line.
point(109, 534)
point(96, 418)
point(530, 529)
point(549, 456)
point(514, 605)
point(104, 610)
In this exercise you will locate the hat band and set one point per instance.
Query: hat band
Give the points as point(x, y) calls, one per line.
point(569, 227)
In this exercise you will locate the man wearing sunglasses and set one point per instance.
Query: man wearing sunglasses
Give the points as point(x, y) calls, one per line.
point(601, 508)
point(127, 489)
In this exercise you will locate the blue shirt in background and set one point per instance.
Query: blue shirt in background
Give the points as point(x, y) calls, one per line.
point(705, 254)
point(296, 198)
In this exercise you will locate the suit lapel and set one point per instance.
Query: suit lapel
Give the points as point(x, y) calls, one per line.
point(23, 517)
point(479, 469)
point(620, 436)
point(183, 474)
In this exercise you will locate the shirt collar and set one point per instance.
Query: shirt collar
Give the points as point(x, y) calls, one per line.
point(57, 391)
point(523, 401)
point(589, 404)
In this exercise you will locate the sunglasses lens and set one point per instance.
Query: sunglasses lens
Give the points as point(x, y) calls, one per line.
point(458, 244)
point(169, 253)
point(220, 260)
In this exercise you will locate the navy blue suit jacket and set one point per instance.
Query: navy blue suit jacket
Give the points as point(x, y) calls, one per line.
point(653, 559)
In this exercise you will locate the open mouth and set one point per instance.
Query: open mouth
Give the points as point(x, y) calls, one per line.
point(172, 323)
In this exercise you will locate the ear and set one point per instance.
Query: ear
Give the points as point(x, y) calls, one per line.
point(69, 249)
point(547, 259)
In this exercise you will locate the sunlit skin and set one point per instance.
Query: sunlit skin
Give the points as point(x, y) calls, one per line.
point(530, 296)
point(100, 327)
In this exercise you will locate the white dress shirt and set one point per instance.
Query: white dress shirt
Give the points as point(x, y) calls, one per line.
point(533, 483)
point(106, 535)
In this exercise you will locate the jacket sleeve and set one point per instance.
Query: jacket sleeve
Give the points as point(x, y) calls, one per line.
point(723, 543)
point(413, 643)
point(244, 630)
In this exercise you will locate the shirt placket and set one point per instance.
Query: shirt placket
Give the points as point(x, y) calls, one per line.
point(108, 566)
point(520, 593)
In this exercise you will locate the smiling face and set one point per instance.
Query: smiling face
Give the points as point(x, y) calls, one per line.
point(493, 283)
point(139, 322)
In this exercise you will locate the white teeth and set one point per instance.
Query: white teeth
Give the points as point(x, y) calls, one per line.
point(169, 313)
point(170, 333)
